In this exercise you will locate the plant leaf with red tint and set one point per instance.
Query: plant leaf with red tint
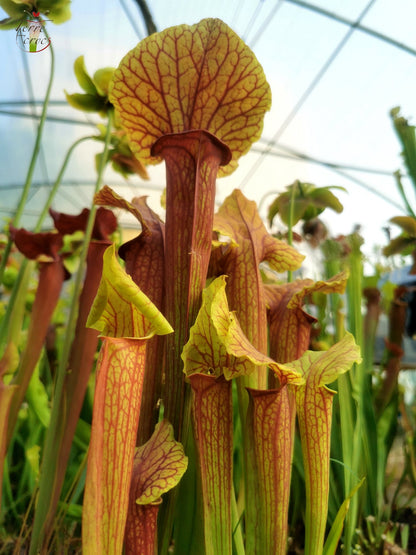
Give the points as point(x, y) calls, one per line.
point(105, 223)
point(271, 427)
point(250, 244)
point(290, 325)
point(43, 247)
point(217, 345)
point(314, 410)
point(158, 467)
point(113, 438)
point(81, 362)
point(145, 263)
point(213, 432)
point(51, 277)
point(8, 364)
point(127, 318)
point(192, 160)
point(144, 255)
point(218, 348)
point(188, 78)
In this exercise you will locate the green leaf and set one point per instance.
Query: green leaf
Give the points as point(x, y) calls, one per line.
point(309, 202)
point(85, 102)
point(398, 245)
point(334, 535)
point(407, 138)
point(13, 9)
point(84, 80)
point(314, 409)
point(406, 223)
point(324, 198)
point(120, 308)
point(37, 398)
point(102, 78)
point(56, 11)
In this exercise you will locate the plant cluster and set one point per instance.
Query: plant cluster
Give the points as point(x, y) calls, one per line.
point(171, 396)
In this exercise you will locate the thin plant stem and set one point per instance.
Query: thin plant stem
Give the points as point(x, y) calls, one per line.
point(58, 180)
point(26, 188)
point(290, 226)
point(351, 429)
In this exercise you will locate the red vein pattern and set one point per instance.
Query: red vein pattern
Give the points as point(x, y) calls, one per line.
point(192, 160)
point(110, 461)
point(144, 262)
point(289, 324)
point(212, 410)
point(158, 467)
point(191, 77)
point(314, 410)
point(250, 244)
point(271, 424)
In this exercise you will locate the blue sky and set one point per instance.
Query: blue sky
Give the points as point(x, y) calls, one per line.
point(344, 119)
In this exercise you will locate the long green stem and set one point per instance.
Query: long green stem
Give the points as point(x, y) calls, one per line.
point(55, 430)
point(57, 183)
point(351, 396)
point(32, 165)
point(290, 225)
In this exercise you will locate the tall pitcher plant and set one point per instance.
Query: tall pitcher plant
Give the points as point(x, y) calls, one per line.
point(195, 97)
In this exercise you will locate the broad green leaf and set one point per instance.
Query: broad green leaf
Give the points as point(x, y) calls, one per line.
point(13, 9)
point(37, 397)
point(56, 11)
point(402, 244)
point(188, 78)
point(323, 197)
point(121, 309)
